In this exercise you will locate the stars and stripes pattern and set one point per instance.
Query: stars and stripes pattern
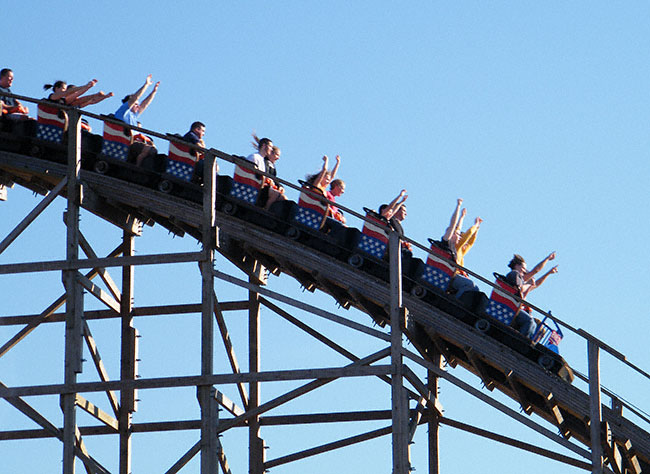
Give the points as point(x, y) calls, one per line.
point(51, 123)
point(246, 185)
point(436, 277)
point(181, 161)
point(549, 337)
point(372, 246)
point(311, 211)
point(374, 239)
point(503, 306)
point(117, 139)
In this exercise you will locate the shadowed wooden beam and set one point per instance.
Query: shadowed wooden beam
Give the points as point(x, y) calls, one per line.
point(230, 351)
point(519, 392)
point(100, 294)
point(99, 365)
point(480, 367)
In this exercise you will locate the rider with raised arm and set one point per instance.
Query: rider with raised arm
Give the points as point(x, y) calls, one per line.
point(522, 279)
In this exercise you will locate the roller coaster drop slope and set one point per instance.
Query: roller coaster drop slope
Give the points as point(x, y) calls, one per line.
point(392, 290)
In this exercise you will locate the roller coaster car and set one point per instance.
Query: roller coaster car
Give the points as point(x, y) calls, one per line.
point(16, 135)
point(179, 171)
point(309, 224)
point(113, 160)
point(370, 246)
point(432, 278)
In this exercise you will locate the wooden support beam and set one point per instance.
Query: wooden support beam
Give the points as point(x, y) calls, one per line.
point(96, 412)
point(100, 294)
point(165, 310)
point(223, 462)
point(40, 207)
point(434, 404)
point(480, 367)
point(328, 447)
point(632, 459)
point(48, 312)
point(300, 305)
point(230, 406)
point(342, 297)
point(82, 447)
point(100, 206)
point(611, 449)
point(74, 299)
point(498, 405)
point(255, 442)
point(554, 409)
point(230, 351)
point(441, 345)
point(102, 272)
point(516, 443)
point(127, 357)
point(101, 370)
point(519, 392)
point(278, 401)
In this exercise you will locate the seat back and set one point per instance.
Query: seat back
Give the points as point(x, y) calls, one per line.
point(311, 211)
point(503, 306)
point(116, 141)
point(438, 269)
point(373, 239)
point(181, 162)
point(52, 123)
point(246, 185)
point(549, 334)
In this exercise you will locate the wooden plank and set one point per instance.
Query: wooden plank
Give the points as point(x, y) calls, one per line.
point(611, 449)
point(480, 367)
point(441, 345)
point(100, 206)
point(59, 265)
point(99, 293)
point(96, 412)
point(516, 443)
point(328, 447)
point(556, 413)
point(103, 274)
point(498, 405)
point(99, 365)
point(631, 457)
point(519, 392)
point(352, 370)
point(177, 309)
point(230, 351)
point(230, 406)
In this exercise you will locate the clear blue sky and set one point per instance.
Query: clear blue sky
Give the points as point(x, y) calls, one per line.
point(534, 112)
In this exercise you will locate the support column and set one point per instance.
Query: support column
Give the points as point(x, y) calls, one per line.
point(434, 425)
point(255, 443)
point(399, 404)
point(206, 393)
point(595, 409)
point(74, 294)
point(127, 363)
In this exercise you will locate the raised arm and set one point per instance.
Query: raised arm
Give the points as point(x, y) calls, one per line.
point(390, 210)
point(319, 180)
point(136, 96)
point(540, 280)
point(453, 222)
point(72, 93)
point(530, 273)
point(145, 103)
point(468, 237)
point(335, 169)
